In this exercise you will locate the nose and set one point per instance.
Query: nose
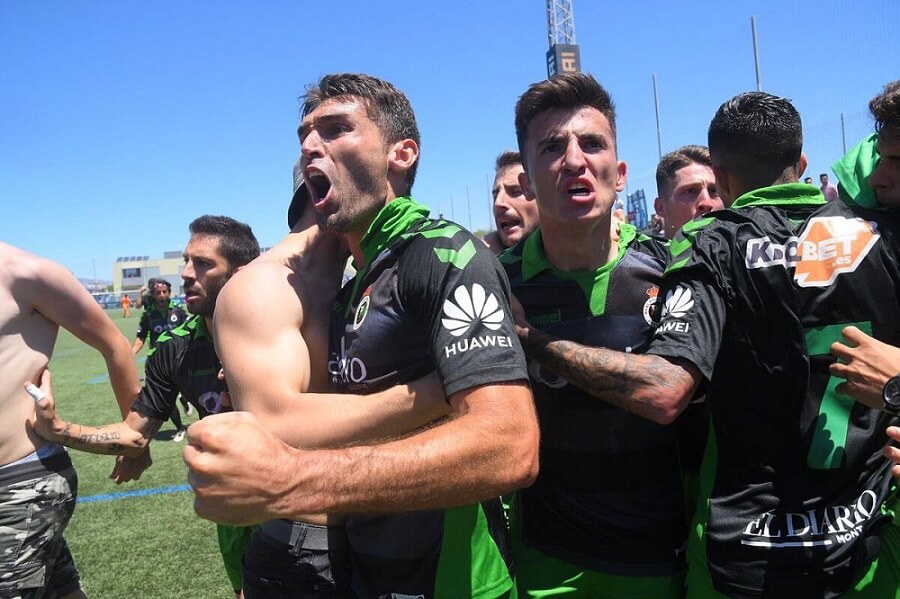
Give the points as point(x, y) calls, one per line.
point(573, 159)
point(188, 272)
point(704, 201)
point(879, 178)
point(311, 146)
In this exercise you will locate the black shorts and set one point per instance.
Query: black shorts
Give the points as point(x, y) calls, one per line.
point(297, 560)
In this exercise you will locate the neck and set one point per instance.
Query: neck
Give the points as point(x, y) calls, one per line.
point(578, 248)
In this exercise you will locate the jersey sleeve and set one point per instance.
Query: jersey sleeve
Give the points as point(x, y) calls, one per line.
point(157, 398)
point(143, 326)
point(693, 299)
point(458, 290)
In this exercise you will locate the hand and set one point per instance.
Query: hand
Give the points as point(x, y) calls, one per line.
point(892, 452)
point(129, 469)
point(46, 423)
point(241, 473)
point(866, 364)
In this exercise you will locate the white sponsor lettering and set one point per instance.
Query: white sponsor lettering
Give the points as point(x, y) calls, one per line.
point(812, 528)
point(344, 369)
point(464, 345)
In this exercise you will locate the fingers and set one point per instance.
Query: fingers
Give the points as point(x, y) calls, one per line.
point(854, 335)
point(841, 351)
point(894, 432)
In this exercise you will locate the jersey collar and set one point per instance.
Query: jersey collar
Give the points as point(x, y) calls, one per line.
point(392, 221)
point(793, 194)
point(534, 260)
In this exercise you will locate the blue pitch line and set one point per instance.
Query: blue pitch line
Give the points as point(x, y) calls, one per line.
point(140, 493)
point(105, 376)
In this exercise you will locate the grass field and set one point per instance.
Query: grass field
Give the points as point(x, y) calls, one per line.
point(145, 546)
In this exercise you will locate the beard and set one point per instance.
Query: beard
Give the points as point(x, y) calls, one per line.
point(361, 197)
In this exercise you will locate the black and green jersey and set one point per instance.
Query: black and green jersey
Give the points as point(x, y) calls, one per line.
point(793, 480)
point(431, 297)
point(154, 323)
point(183, 361)
point(608, 496)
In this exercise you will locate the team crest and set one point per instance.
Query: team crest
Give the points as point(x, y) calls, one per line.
point(649, 310)
point(173, 317)
point(362, 310)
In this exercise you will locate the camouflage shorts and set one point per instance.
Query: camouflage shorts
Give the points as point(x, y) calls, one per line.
point(37, 499)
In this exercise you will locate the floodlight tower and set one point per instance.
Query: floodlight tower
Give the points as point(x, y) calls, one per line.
point(563, 55)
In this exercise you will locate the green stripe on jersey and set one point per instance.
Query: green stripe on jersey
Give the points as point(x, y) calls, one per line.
point(459, 258)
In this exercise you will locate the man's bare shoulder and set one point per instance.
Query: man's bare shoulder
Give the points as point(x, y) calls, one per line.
point(27, 276)
point(263, 288)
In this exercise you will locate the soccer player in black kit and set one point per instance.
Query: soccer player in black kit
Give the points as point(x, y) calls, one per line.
point(793, 479)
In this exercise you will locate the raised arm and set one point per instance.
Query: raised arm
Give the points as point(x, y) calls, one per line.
point(242, 474)
point(56, 294)
point(651, 386)
point(266, 360)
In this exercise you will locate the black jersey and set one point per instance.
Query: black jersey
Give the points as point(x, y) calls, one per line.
point(183, 361)
point(431, 296)
point(154, 323)
point(608, 496)
point(793, 480)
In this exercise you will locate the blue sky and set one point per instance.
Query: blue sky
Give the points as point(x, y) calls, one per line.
point(122, 121)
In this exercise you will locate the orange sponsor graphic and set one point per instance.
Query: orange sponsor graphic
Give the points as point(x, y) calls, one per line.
point(832, 245)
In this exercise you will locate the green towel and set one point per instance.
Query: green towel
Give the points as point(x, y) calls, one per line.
point(853, 171)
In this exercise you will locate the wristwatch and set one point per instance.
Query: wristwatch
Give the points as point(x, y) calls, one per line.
point(890, 393)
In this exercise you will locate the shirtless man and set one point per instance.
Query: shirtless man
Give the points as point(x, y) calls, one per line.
point(37, 481)
point(267, 355)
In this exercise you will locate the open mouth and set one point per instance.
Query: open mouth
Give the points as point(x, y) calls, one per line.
point(578, 191)
point(319, 185)
point(507, 225)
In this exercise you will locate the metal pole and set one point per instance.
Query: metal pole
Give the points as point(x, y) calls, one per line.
point(756, 53)
point(469, 208)
point(658, 128)
point(490, 195)
point(843, 134)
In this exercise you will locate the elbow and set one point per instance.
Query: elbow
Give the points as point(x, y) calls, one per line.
point(666, 406)
point(523, 470)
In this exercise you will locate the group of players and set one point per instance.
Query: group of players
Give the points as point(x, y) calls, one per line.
point(679, 425)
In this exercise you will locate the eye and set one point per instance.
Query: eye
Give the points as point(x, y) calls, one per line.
point(551, 147)
point(514, 191)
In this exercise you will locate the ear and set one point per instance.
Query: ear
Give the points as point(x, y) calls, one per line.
point(801, 166)
point(525, 184)
point(658, 206)
point(621, 175)
point(723, 185)
point(402, 155)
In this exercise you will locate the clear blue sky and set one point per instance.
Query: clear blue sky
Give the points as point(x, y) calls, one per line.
point(122, 121)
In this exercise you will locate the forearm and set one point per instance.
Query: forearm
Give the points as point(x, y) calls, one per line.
point(317, 420)
point(123, 378)
point(466, 459)
point(112, 439)
point(136, 347)
point(647, 385)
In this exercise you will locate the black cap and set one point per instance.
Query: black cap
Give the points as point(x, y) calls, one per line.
point(300, 198)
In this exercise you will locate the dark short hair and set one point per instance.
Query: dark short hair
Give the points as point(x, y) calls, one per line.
point(822, 175)
point(154, 282)
point(757, 136)
point(507, 159)
point(677, 160)
point(387, 106)
point(566, 90)
point(885, 107)
point(237, 244)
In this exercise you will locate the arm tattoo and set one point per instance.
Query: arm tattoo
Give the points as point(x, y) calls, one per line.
point(66, 434)
point(630, 381)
